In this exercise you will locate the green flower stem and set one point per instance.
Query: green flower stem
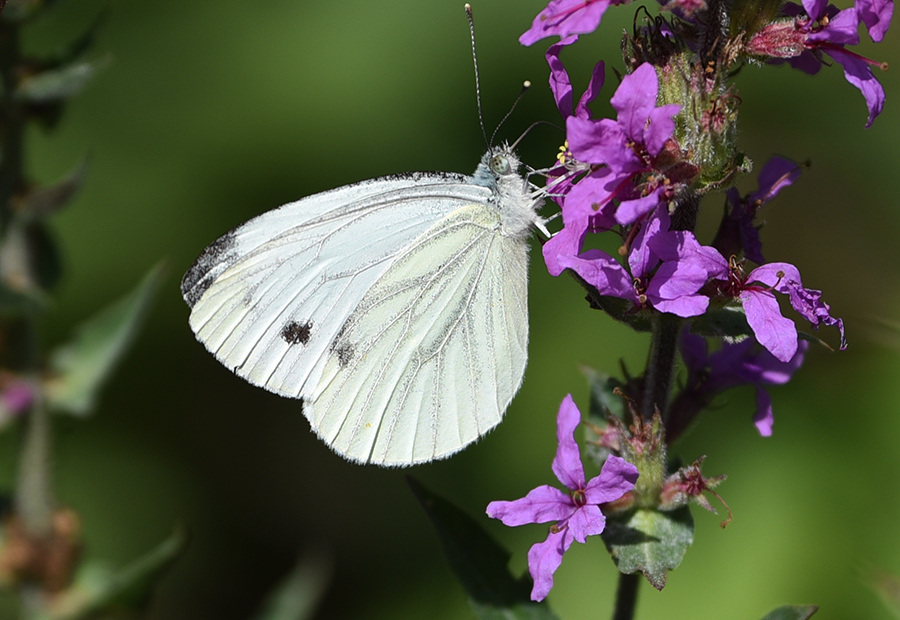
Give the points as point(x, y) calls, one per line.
point(660, 365)
point(626, 597)
point(34, 498)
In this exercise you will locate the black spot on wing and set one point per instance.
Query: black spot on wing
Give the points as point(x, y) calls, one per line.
point(211, 262)
point(344, 351)
point(296, 333)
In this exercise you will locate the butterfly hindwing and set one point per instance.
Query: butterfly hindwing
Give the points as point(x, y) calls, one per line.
point(435, 350)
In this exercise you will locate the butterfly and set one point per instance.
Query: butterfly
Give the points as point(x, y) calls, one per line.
point(395, 308)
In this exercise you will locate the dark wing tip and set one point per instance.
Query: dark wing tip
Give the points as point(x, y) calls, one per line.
point(212, 261)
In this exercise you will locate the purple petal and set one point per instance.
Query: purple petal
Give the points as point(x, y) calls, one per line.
point(642, 257)
point(617, 477)
point(589, 202)
point(773, 331)
point(541, 505)
point(777, 174)
point(775, 275)
point(694, 350)
point(601, 142)
point(674, 286)
point(586, 521)
point(17, 397)
point(814, 8)
point(876, 15)
point(603, 272)
point(563, 245)
point(593, 89)
point(635, 99)
point(560, 85)
point(543, 560)
point(842, 29)
point(764, 418)
point(567, 464)
point(564, 17)
point(743, 362)
point(629, 211)
point(858, 73)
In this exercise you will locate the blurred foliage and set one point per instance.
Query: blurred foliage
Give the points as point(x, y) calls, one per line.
point(209, 113)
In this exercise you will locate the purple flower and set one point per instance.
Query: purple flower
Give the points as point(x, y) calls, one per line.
point(737, 364)
point(607, 175)
point(576, 514)
point(737, 234)
point(567, 17)
point(819, 27)
point(666, 269)
point(756, 292)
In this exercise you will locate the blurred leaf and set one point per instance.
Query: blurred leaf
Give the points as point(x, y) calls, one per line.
point(18, 10)
point(58, 84)
point(789, 612)
point(650, 541)
point(97, 589)
point(29, 259)
point(80, 367)
point(603, 402)
point(46, 200)
point(299, 593)
point(887, 587)
point(78, 46)
point(479, 563)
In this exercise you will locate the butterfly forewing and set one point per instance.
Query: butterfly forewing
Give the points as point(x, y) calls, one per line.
point(268, 298)
point(434, 352)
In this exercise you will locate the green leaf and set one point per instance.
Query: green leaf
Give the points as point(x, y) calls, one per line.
point(725, 322)
point(80, 367)
point(98, 589)
point(649, 541)
point(298, 594)
point(790, 612)
point(480, 563)
point(58, 84)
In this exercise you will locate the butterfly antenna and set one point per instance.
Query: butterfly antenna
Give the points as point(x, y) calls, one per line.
point(477, 81)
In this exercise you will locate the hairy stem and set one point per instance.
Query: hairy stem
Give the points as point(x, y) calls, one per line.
point(660, 365)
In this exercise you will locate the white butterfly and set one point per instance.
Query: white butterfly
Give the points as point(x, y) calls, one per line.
point(396, 308)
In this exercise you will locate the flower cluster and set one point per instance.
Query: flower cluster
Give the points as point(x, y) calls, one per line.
point(642, 176)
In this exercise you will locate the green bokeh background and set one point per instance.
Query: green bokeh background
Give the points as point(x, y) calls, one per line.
point(212, 112)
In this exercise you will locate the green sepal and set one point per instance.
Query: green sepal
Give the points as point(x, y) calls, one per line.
point(792, 612)
point(79, 368)
point(480, 563)
point(298, 594)
point(750, 16)
point(59, 84)
point(649, 541)
point(98, 589)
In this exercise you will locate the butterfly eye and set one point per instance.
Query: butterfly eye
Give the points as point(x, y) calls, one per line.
point(500, 164)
